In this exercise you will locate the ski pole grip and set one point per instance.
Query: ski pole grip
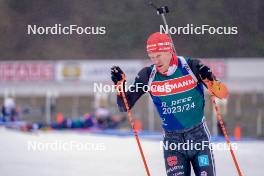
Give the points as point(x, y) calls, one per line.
point(162, 10)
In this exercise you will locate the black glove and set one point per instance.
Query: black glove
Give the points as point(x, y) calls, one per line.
point(205, 72)
point(117, 74)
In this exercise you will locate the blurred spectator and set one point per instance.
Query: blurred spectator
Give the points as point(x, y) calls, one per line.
point(9, 110)
point(59, 118)
point(89, 120)
point(85, 121)
point(103, 117)
point(105, 120)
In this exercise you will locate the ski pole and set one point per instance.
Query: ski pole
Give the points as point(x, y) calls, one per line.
point(161, 11)
point(220, 119)
point(134, 131)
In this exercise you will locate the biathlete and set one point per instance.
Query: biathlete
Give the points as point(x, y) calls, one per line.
point(176, 86)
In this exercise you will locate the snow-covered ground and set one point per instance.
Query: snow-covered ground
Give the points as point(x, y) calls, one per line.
point(100, 155)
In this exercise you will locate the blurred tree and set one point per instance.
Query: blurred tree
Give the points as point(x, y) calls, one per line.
point(128, 25)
